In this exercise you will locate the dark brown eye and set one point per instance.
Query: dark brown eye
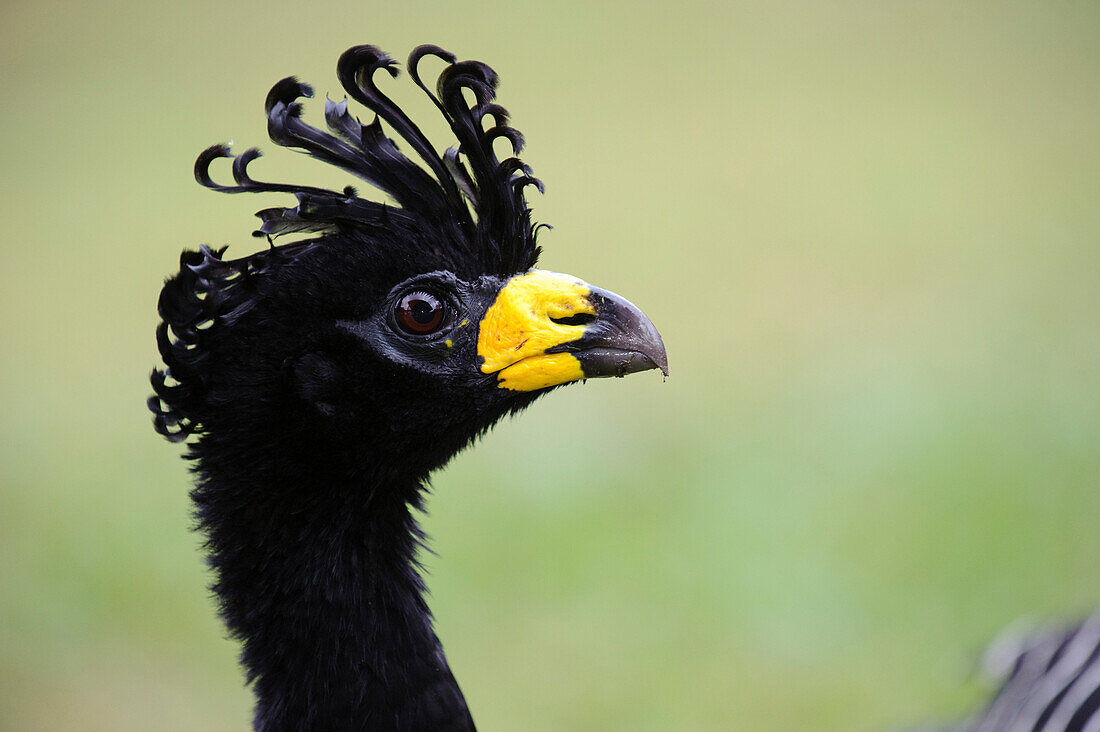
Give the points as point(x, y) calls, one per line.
point(419, 313)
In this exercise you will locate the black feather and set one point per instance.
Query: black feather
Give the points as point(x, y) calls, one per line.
point(310, 451)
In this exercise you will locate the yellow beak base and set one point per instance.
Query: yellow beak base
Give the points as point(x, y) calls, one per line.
point(546, 328)
point(519, 327)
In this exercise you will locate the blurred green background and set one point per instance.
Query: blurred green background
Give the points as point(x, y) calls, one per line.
point(869, 233)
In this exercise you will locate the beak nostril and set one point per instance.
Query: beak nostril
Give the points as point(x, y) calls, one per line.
point(578, 319)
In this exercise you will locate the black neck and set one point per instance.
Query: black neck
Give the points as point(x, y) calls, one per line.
point(317, 577)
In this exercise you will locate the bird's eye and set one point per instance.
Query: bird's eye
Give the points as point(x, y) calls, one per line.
point(419, 313)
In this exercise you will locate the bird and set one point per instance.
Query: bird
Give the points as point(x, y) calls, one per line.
point(1047, 679)
point(317, 383)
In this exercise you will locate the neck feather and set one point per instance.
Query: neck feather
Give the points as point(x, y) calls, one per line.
point(316, 575)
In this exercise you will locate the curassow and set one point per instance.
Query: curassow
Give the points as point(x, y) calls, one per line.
point(323, 380)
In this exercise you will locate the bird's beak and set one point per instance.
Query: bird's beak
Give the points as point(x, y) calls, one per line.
point(546, 328)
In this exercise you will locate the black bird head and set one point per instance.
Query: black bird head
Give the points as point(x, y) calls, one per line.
point(412, 326)
point(323, 379)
